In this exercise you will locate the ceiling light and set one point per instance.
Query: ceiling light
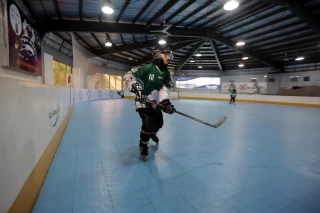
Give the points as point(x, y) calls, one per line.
point(265, 76)
point(107, 9)
point(245, 58)
point(198, 54)
point(200, 67)
point(162, 41)
point(240, 43)
point(231, 5)
point(241, 65)
point(192, 61)
point(130, 58)
point(108, 44)
point(299, 58)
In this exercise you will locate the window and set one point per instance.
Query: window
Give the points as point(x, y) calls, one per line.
point(63, 74)
point(112, 82)
point(108, 82)
point(203, 83)
point(294, 78)
point(98, 80)
point(118, 82)
point(102, 81)
point(253, 80)
point(306, 78)
point(271, 80)
point(60, 71)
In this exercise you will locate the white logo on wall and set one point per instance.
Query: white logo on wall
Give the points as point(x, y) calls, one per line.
point(15, 19)
point(54, 113)
point(89, 94)
point(28, 37)
point(100, 94)
point(27, 40)
point(111, 94)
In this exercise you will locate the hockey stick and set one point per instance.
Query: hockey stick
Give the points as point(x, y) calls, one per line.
point(222, 120)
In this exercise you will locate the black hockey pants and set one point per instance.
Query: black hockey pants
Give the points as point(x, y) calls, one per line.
point(232, 99)
point(152, 121)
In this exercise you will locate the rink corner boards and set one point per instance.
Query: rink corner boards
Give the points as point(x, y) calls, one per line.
point(29, 192)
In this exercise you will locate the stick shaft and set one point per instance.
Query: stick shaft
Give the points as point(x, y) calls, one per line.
point(195, 119)
point(222, 120)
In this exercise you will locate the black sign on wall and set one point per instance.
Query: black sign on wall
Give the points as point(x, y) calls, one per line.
point(24, 42)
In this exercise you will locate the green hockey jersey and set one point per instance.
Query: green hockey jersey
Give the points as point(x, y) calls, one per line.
point(155, 83)
point(233, 93)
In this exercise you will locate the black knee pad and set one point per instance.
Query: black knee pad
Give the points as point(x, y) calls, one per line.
point(145, 135)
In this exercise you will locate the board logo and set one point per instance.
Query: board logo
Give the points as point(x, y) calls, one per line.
point(54, 115)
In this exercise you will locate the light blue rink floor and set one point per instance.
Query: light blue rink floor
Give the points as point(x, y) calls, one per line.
point(264, 159)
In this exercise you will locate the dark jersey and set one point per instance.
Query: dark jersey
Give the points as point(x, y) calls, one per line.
point(155, 83)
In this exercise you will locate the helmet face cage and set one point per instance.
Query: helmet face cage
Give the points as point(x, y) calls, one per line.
point(162, 50)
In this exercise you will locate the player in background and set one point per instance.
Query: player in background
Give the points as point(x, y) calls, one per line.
point(233, 95)
point(153, 82)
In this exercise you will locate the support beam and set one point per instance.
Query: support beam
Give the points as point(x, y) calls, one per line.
point(138, 45)
point(84, 41)
point(44, 10)
point(143, 52)
point(173, 48)
point(116, 28)
point(108, 37)
point(243, 50)
point(56, 6)
point(304, 14)
point(214, 48)
point(268, 24)
point(61, 45)
point(63, 40)
point(185, 6)
point(277, 2)
point(297, 7)
point(245, 12)
point(124, 7)
point(80, 9)
point(306, 36)
point(192, 52)
point(36, 18)
point(208, 3)
point(96, 39)
point(264, 35)
point(255, 20)
point(92, 50)
point(77, 26)
point(291, 47)
point(164, 9)
point(145, 7)
point(122, 40)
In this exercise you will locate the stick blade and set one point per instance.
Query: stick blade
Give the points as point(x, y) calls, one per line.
point(222, 120)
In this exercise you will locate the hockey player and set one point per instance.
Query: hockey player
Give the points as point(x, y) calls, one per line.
point(151, 81)
point(233, 95)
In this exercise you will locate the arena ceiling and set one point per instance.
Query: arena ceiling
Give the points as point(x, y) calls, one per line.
point(275, 32)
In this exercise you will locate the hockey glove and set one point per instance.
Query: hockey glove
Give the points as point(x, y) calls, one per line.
point(137, 89)
point(168, 107)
